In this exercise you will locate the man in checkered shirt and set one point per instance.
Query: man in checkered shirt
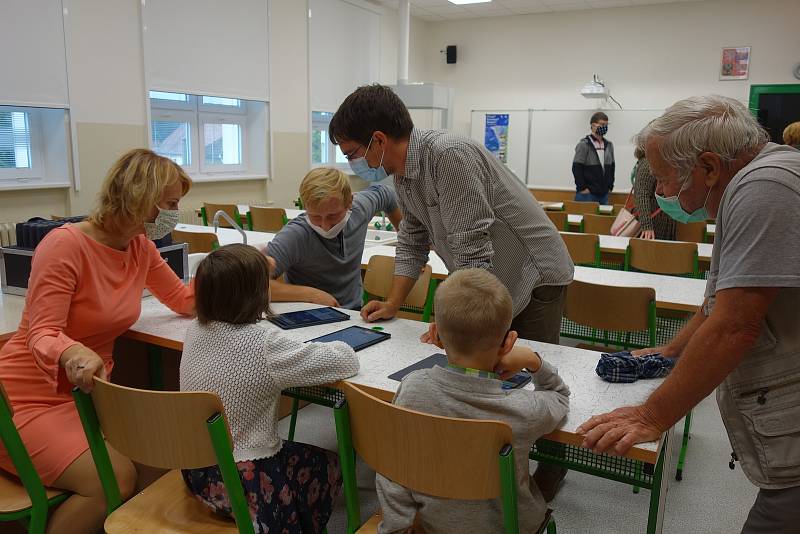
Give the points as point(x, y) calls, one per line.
point(460, 200)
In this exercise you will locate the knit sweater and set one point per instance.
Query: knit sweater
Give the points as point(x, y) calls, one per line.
point(248, 365)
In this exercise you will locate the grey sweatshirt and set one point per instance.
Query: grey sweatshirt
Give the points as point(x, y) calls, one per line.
point(531, 414)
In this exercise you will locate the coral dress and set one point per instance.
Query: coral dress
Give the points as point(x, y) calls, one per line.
point(80, 291)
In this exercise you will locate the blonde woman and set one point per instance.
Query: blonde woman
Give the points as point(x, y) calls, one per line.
point(319, 253)
point(85, 290)
point(791, 135)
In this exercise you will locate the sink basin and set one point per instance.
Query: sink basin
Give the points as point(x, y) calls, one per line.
point(380, 237)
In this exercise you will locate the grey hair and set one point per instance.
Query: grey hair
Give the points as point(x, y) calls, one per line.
point(713, 123)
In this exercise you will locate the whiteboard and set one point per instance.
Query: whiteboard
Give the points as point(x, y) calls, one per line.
point(518, 131)
point(554, 134)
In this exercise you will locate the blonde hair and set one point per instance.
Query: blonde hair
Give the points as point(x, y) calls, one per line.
point(325, 182)
point(791, 134)
point(133, 185)
point(473, 311)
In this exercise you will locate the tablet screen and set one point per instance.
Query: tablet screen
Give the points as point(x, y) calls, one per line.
point(355, 336)
point(308, 317)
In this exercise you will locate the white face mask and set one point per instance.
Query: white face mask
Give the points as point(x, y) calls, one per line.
point(335, 230)
point(165, 222)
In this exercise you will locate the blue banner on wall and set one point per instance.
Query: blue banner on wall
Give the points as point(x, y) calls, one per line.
point(496, 135)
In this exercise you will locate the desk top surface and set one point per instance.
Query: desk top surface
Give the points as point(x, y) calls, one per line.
point(590, 395)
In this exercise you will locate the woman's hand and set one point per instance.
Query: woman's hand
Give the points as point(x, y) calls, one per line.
point(81, 364)
point(648, 234)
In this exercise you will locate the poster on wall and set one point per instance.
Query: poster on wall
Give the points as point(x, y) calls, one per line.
point(735, 63)
point(496, 135)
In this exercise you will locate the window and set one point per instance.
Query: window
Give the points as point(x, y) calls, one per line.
point(323, 152)
point(20, 153)
point(209, 135)
point(33, 148)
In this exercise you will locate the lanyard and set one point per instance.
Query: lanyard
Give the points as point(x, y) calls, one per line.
point(472, 372)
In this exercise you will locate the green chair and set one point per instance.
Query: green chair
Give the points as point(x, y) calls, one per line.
point(263, 219)
point(167, 430)
point(23, 499)
point(208, 211)
point(662, 257)
point(559, 220)
point(431, 459)
point(584, 249)
point(378, 282)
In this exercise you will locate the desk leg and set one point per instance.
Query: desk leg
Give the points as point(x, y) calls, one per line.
point(658, 493)
point(347, 461)
point(154, 366)
point(428, 310)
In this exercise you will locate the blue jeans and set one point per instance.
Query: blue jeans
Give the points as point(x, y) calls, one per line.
point(588, 197)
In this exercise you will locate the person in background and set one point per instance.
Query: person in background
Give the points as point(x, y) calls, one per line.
point(711, 157)
point(593, 164)
point(459, 199)
point(473, 317)
point(791, 135)
point(661, 225)
point(85, 290)
point(319, 252)
point(290, 486)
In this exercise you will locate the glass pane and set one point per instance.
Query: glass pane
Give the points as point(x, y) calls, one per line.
point(223, 143)
point(15, 140)
point(172, 140)
point(319, 146)
point(339, 156)
point(162, 95)
point(220, 101)
point(321, 116)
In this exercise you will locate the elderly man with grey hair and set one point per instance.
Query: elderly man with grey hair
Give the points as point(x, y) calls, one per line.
point(712, 159)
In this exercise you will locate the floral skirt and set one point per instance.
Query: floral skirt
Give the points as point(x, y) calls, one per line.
point(291, 492)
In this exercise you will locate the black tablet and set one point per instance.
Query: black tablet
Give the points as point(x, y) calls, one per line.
point(300, 319)
point(515, 382)
point(356, 336)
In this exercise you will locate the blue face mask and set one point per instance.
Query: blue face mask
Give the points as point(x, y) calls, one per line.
point(362, 169)
point(602, 130)
point(672, 207)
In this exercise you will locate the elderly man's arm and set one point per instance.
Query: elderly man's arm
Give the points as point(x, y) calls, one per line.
point(675, 347)
point(717, 347)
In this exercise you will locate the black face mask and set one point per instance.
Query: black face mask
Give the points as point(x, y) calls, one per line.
point(602, 130)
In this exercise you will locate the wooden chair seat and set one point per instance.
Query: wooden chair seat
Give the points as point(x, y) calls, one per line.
point(14, 497)
point(371, 526)
point(167, 506)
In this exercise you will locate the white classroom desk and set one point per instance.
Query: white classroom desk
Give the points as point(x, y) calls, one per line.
point(672, 292)
point(618, 244)
point(577, 218)
point(158, 325)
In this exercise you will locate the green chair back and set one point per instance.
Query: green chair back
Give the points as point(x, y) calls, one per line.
point(164, 429)
point(32, 514)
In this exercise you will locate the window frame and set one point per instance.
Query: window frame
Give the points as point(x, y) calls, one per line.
point(330, 148)
point(36, 171)
point(225, 118)
point(180, 115)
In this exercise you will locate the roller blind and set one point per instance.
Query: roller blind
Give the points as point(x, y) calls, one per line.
point(344, 50)
point(32, 65)
point(207, 47)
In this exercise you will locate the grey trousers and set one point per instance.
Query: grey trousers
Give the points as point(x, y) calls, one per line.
point(774, 512)
point(541, 318)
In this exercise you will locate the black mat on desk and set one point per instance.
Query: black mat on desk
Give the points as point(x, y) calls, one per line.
point(427, 363)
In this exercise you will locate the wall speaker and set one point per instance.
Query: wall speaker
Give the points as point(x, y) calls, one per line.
point(451, 54)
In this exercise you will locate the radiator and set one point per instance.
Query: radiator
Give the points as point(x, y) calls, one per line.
point(8, 234)
point(190, 216)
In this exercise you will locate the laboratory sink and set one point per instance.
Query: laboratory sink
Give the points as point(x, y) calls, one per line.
point(380, 237)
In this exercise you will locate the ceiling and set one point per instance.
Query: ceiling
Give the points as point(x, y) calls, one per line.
point(439, 10)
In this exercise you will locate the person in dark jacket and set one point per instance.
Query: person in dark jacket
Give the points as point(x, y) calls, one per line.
point(593, 165)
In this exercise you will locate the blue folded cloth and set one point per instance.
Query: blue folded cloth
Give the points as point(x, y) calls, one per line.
point(623, 367)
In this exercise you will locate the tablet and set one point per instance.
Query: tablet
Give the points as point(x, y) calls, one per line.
point(355, 336)
point(300, 319)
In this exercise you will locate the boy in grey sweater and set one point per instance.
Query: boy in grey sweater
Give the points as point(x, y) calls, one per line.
point(473, 315)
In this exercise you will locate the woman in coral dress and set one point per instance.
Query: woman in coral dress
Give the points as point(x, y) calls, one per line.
point(85, 290)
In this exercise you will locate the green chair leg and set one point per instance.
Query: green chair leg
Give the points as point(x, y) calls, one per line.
point(508, 482)
point(684, 445)
point(348, 466)
point(551, 527)
point(293, 420)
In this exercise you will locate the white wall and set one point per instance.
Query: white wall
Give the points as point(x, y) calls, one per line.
point(650, 56)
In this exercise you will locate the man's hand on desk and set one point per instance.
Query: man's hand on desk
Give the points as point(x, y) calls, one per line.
point(616, 432)
point(375, 310)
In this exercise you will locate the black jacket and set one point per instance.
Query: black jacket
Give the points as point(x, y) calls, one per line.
point(587, 170)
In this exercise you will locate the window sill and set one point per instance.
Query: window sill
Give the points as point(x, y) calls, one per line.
point(23, 186)
point(209, 178)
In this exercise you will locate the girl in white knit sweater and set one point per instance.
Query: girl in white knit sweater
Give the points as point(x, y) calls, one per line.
point(290, 486)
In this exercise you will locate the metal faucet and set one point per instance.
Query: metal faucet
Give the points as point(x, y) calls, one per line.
point(227, 217)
